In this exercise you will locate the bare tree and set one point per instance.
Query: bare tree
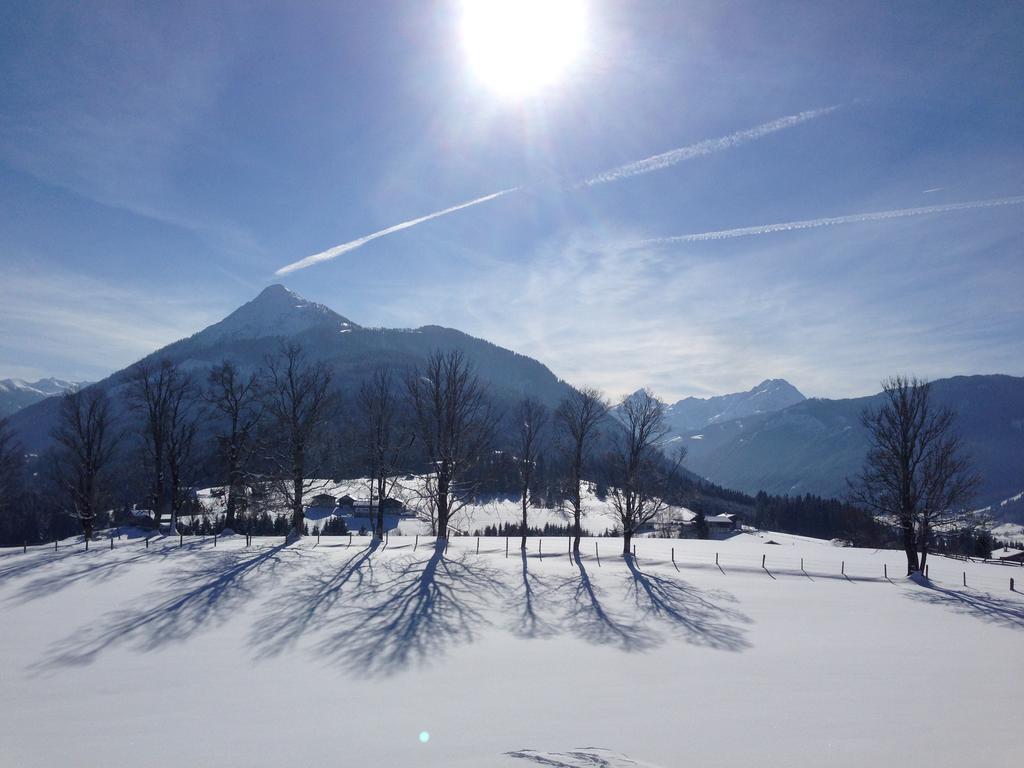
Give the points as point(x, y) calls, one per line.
point(86, 442)
point(915, 472)
point(165, 399)
point(532, 418)
point(237, 400)
point(640, 474)
point(383, 434)
point(148, 383)
point(300, 403)
point(183, 416)
point(579, 416)
point(455, 422)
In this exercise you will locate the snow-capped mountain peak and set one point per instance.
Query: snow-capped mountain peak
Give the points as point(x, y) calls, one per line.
point(276, 311)
point(695, 413)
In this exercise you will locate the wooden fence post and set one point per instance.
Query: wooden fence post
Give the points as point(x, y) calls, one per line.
point(762, 561)
point(673, 555)
point(634, 551)
point(965, 578)
point(111, 543)
point(478, 545)
point(1011, 583)
point(842, 568)
point(181, 540)
point(350, 538)
point(54, 545)
point(506, 546)
point(716, 559)
point(885, 570)
point(416, 543)
point(215, 539)
point(801, 564)
point(24, 547)
point(540, 548)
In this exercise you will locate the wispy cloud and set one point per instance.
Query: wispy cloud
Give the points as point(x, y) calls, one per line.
point(351, 245)
point(788, 226)
point(647, 165)
point(706, 147)
point(92, 326)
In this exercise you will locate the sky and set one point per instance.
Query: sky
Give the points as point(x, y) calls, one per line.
point(663, 194)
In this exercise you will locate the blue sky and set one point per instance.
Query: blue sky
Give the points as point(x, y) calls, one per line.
point(159, 162)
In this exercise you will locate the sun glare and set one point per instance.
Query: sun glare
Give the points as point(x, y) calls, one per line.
point(519, 47)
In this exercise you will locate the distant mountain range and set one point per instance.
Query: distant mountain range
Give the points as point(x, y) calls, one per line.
point(767, 397)
point(16, 394)
point(814, 445)
point(769, 438)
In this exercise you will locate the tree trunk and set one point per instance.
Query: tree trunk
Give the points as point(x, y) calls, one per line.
point(924, 545)
point(576, 532)
point(627, 540)
point(298, 515)
point(379, 525)
point(910, 547)
point(522, 544)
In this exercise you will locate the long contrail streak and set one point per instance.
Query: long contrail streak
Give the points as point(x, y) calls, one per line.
point(648, 165)
point(789, 226)
point(706, 147)
point(351, 245)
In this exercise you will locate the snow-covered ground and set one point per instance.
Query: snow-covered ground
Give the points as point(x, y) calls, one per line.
point(348, 655)
point(600, 516)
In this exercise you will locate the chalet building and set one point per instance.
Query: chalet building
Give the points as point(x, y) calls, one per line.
point(1008, 555)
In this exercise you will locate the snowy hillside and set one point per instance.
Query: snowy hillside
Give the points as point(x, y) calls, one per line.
point(336, 655)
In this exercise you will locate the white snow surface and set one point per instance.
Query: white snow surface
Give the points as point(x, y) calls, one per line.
point(599, 516)
point(342, 655)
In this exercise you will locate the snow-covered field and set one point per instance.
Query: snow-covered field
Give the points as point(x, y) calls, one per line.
point(600, 515)
point(351, 656)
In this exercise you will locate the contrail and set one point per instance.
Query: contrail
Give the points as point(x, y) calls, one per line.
point(337, 250)
point(655, 163)
point(706, 147)
point(765, 229)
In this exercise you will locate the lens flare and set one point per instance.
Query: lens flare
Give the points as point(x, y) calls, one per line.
point(518, 47)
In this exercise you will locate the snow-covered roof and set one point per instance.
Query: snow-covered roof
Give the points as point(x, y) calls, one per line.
point(1003, 553)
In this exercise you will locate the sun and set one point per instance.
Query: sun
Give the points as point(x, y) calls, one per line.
point(519, 47)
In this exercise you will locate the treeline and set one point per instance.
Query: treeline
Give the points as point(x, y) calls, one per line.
point(142, 447)
point(820, 518)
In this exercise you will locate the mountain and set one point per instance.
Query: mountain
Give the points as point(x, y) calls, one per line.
point(353, 352)
point(814, 445)
point(16, 394)
point(695, 413)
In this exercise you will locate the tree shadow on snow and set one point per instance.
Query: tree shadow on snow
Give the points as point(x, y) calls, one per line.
point(306, 607)
point(981, 605)
point(590, 618)
point(412, 610)
point(89, 568)
point(531, 594)
point(201, 594)
point(701, 617)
